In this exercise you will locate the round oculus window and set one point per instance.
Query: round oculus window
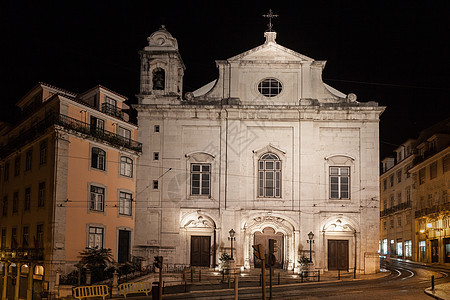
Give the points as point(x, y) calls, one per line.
point(270, 87)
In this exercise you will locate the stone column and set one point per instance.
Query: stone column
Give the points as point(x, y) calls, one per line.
point(115, 284)
point(17, 286)
point(30, 282)
point(88, 277)
point(5, 279)
point(57, 278)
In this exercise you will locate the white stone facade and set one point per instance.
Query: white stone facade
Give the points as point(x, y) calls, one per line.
point(227, 128)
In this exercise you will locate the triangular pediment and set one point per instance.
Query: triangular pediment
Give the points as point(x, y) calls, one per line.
point(271, 52)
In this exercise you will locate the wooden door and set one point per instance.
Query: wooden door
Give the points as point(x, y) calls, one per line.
point(338, 255)
point(201, 251)
point(434, 251)
point(123, 254)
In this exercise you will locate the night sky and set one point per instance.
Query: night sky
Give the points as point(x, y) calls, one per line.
point(392, 52)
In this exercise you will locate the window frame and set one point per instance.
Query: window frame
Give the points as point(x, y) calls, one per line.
point(5, 206)
point(39, 236)
point(17, 166)
point(15, 202)
point(3, 238)
point(94, 234)
point(43, 149)
point(200, 179)
point(433, 170)
point(421, 176)
point(270, 87)
point(97, 200)
point(27, 199)
point(6, 171)
point(29, 160)
point(269, 186)
point(98, 158)
point(25, 237)
point(399, 176)
point(339, 183)
point(125, 162)
point(41, 194)
point(125, 203)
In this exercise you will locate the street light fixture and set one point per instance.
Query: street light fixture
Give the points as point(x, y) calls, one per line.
point(231, 238)
point(310, 241)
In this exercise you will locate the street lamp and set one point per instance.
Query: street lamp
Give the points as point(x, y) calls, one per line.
point(310, 241)
point(231, 238)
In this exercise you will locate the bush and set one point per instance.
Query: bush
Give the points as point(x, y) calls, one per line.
point(96, 260)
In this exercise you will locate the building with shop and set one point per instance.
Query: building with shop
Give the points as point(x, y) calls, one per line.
point(414, 189)
point(67, 182)
point(431, 175)
point(396, 211)
point(267, 151)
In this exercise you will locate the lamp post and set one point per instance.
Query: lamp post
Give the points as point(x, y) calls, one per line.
point(231, 238)
point(310, 241)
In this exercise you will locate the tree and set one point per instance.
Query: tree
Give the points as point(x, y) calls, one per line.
point(96, 260)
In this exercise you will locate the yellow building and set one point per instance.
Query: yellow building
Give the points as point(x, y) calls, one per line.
point(396, 211)
point(67, 182)
point(431, 173)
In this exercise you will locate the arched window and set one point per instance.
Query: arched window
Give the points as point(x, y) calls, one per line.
point(126, 166)
point(269, 176)
point(446, 222)
point(270, 87)
point(98, 158)
point(158, 79)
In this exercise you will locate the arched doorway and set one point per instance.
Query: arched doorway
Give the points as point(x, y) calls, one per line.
point(259, 229)
point(201, 244)
point(263, 238)
point(340, 238)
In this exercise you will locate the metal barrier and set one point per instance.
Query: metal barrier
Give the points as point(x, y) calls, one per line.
point(135, 287)
point(309, 274)
point(90, 291)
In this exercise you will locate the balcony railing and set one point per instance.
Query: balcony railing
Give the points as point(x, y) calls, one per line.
point(112, 110)
point(22, 254)
point(108, 136)
point(431, 210)
point(72, 124)
point(395, 208)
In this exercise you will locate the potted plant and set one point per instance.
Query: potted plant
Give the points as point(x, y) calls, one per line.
point(303, 264)
point(225, 261)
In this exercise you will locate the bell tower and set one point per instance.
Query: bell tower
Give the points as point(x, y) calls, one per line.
point(162, 69)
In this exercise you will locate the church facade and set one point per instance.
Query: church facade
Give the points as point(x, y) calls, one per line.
point(267, 150)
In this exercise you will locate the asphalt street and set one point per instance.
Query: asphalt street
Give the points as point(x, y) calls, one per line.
point(404, 281)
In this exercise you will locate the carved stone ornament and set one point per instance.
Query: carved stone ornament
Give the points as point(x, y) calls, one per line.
point(189, 96)
point(338, 226)
point(201, 222)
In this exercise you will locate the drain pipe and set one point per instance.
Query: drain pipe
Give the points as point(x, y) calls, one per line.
point(354, 269)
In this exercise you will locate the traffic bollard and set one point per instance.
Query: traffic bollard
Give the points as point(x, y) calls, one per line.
point(432, 282)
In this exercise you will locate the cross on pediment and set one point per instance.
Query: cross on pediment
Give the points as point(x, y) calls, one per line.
point(270, 15)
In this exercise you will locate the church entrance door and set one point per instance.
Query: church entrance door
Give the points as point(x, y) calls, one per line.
point(338, 255)
point(201, 251)
point(263, 238)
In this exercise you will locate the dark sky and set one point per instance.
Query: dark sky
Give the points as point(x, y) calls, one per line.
point(392, 52)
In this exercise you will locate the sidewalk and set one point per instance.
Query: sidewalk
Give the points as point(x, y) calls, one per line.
point(441, 291)
point(212, 280)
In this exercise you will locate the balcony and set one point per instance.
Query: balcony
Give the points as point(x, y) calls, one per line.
point(396, 208)
point(22, 254)
point(112, 110)
point(440, 208)
point(72, 124)
point(107, 136)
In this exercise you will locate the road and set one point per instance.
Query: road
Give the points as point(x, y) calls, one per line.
point(406, 281)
